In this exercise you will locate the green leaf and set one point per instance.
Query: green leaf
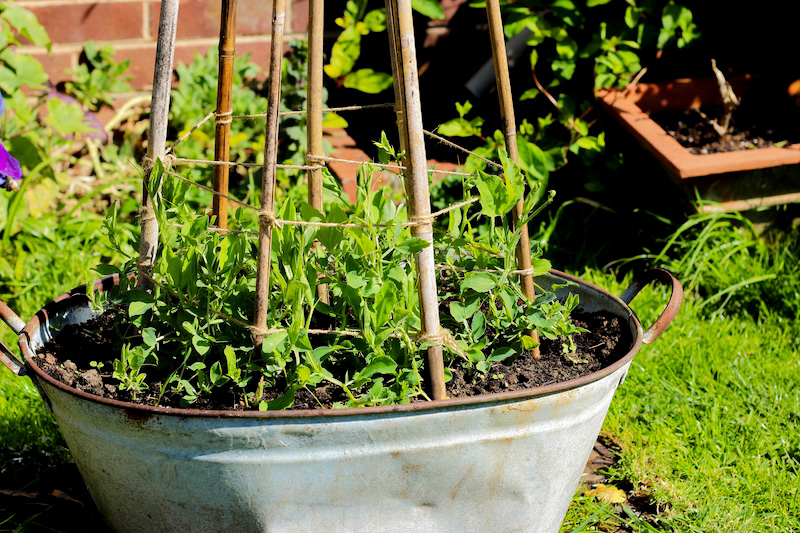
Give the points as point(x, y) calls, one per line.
point(355, 280)
point(479, 282)
point(541, 266)
point(499, 354)
point(535, 163)
point(26, 24)
point(528, 343)
point(478, 325)
point(189, 327)
point(375, 20)
point(274, 342)
point(21, 70)
point(201, 344)
point(379, 365)
point(368, 81)
point(137, 357)
point(514, 182)
point(458, 311)
point(149, 336)
point(461, 127)
point(631, 16)
point(278, 404)
point(303, 374)
point(106, 270)
point(344, 53)
point(139, 307)
point(500, 194)
point(457, 127)
point(332, 120)
point(66, 118)
point(232, 363)
point(492, 193)
point(566, 49)
point(412, 245)
point(215, 372)
point(430, 8)
point(385, 302)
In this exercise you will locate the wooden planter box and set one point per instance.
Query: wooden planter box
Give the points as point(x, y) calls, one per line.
point(737, 180)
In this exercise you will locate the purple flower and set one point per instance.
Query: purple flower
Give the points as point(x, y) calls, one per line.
point(10, 171)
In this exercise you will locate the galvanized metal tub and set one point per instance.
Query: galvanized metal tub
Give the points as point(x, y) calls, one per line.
point(501, 462)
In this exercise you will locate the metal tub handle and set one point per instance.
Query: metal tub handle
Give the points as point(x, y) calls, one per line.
point(16, 324)
point(669, 312)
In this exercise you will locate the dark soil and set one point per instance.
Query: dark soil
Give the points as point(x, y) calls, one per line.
point(694, 132)
point(605, 342)
point(97, 341)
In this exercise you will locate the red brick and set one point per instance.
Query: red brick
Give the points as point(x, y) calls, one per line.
point(201, 18)
point(56, 63)
point(259, 54)
point(257, 48)
point(78, 23)
point(300, 16)
point(142, 59)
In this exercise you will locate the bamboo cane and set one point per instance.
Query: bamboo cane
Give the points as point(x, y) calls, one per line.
point(157, 139)
point(222, 130)
point(409, 117)
point(510, 134)
point(316, 11)
point(270, 168)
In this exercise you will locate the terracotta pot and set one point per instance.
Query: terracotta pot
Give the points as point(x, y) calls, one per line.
point(736, 180)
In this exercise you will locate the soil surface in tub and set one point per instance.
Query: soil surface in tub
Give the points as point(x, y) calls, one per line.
point(81, 356)
point(750, 129)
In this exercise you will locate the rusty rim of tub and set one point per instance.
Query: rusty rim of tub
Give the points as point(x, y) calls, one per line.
point(105, 284)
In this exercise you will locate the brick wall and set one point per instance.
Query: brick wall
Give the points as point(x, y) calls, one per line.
point(131, 27)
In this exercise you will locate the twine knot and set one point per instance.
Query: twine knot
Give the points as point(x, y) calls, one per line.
point(148, 162)
point(224, 118)
point(267, 218)
point(442, 338)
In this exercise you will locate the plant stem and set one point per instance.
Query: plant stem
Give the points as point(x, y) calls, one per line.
point(729, 102)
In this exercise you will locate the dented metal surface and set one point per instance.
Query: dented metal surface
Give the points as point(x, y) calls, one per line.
point(500, 462)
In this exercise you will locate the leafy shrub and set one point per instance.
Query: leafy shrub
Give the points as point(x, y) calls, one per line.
point(195, 338)
point(576, 47)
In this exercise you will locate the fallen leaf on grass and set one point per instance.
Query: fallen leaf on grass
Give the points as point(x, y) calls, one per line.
point(607, 493)
point(61, 495)
point(55, 493)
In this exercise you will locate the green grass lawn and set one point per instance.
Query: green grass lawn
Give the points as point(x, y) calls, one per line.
point(706, 421)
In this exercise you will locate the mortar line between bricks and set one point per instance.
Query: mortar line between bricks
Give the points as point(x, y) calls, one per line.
point(146, 21)
point(49, 3)
point(129, 44)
